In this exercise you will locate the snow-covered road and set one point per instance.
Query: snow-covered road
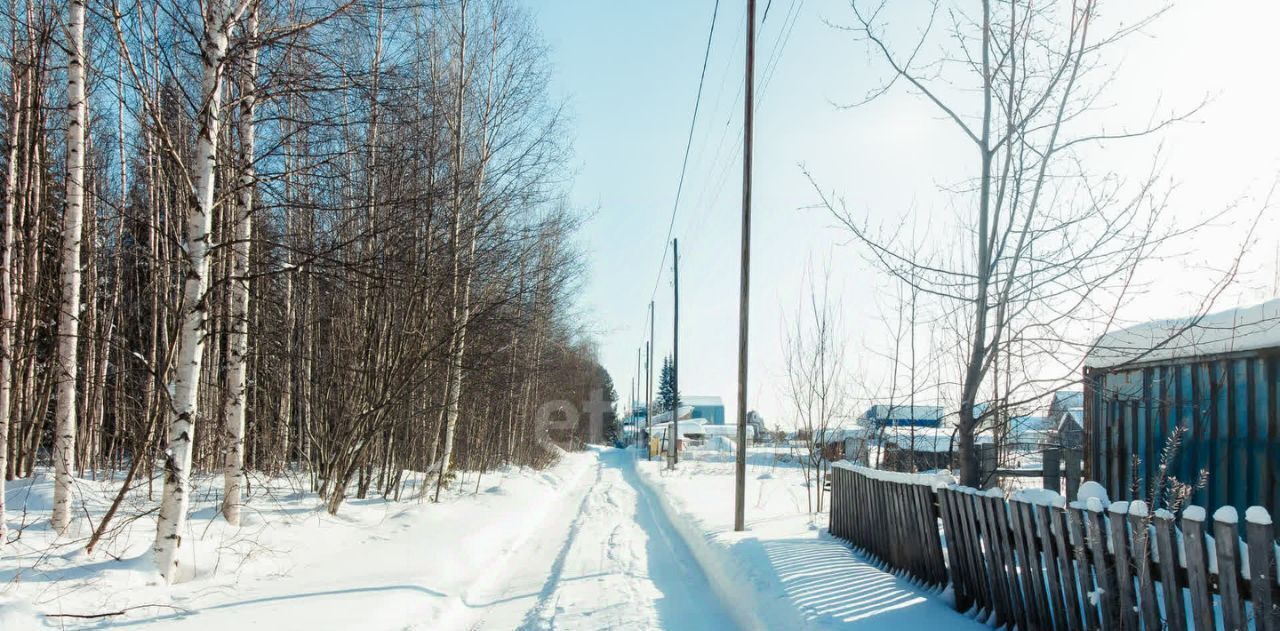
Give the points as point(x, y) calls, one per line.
point(608, 558)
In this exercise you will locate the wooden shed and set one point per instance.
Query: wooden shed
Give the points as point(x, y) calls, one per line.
point(1217, 377)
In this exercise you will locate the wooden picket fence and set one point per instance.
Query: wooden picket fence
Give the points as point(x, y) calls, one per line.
point(1037, 566)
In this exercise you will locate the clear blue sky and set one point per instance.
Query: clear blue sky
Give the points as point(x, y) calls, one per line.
point(629, 73)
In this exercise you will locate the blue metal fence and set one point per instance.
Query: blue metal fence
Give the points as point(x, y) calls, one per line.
point(1228, 405)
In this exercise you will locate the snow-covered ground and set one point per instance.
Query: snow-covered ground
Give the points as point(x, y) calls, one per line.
point(578, 546)
point(377, 565)
point(785, 571)
point(600, 540)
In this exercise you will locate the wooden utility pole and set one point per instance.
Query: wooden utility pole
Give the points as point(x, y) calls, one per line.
point(648, 385)
point(635, 396)
point(740, 468)
point(674, 439)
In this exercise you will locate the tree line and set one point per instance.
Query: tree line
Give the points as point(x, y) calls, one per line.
point(321, 236)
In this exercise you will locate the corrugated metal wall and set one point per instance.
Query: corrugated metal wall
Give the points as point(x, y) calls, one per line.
point(1229, 405)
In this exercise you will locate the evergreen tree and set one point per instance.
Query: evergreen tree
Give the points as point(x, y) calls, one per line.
point(666, 387)
point(612, 429)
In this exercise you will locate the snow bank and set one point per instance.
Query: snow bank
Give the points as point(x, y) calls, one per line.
point(754, 600)
point(1240, 329)
point(721, 444)
point(786, 571)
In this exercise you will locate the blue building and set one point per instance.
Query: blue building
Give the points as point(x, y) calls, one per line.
point(902, 416)
point(708, 408)
point(1215, 379)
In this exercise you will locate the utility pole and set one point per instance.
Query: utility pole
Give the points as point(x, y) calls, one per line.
point(648, 385)
point(675, 355)
point(740, 468)
point(635, 396)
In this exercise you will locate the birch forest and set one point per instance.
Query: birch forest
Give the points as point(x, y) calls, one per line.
point(252, 238)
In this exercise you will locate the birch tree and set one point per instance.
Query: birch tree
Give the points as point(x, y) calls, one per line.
point(459, 292)
point(238, 344)
point(69, 314)
point(6, 261)
point(218, 19)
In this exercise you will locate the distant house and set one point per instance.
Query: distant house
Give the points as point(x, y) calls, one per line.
point(755, 420)
point(1029, 433)
point(708, 408)
point(1216, 378)
point(689, 430)
point(901, 416)
point(922, 448)
point(1066, 415)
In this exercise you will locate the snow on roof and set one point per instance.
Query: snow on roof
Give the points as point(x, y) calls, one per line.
point(1025, 424)
point(926, 439)
point(686, 411)
point(701, 400)
point(1074, 414)
point(691, 427)
point(726, 430)
point(1240, 329)
point(903, 412)
point(1069, 398)
point(831, 435)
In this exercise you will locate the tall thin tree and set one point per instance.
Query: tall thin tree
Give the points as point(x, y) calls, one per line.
point(64, 445)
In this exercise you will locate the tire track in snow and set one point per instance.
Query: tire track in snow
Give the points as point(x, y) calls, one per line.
point(610, 560)
point(537, 617)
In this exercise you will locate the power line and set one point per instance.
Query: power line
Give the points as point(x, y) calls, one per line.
point(713, 187)
point(688, 144)
point(693, 124)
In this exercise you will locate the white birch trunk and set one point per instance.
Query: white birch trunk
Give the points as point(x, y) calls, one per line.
point(457, 340)
point(184, 387)
point(64, 445)
point(238, 344)
point(7, 314)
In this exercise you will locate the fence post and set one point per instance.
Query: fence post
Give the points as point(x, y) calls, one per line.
point(1197, 569)
point(1147, 599)
point(1124, 568)
point(1076, 533)
point(1175, 611)
point(1072, 459)
point(1227, 543)
point(1051, 469)
point(987, 461)
point(1104, 572)
point(1066, 568)
point(1262, 573)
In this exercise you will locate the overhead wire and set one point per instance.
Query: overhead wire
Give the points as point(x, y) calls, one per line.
point(720, 176)
point(684, 165)
point(693, 124)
